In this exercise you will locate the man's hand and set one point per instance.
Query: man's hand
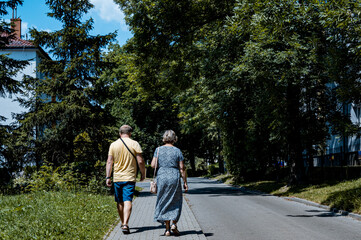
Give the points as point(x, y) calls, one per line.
point(109, 182)
point(142, 177)
point(185, 187)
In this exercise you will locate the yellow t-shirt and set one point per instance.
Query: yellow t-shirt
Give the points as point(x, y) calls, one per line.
point(125, 166)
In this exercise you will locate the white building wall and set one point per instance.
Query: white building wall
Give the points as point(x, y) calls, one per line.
point(8, 105)
point(352, 143)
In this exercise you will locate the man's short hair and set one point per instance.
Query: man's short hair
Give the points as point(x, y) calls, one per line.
point(125, 129)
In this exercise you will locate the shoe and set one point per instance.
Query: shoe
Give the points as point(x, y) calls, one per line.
point(167, 233)
point(175, 230)
point(125, 229)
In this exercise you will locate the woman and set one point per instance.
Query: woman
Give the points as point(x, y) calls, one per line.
point(170, 168)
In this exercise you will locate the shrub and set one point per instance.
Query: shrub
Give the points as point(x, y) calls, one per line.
point(213, 169)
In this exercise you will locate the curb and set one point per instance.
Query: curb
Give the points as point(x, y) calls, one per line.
point(328, 208)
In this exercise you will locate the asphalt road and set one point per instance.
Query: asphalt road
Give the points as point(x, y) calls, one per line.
point(225, 212)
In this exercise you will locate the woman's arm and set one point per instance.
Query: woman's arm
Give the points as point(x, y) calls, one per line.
point(154, 160)
point(183, 174)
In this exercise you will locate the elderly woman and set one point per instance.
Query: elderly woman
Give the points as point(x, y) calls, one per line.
point(169, 161)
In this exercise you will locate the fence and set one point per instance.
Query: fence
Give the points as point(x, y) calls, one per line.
point(337, 160)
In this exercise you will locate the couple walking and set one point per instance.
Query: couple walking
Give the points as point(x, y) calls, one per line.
point(168, 159)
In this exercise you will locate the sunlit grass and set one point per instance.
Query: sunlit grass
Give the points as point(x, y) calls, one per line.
point(344, 195)
point(56, 215)
point(225, 178)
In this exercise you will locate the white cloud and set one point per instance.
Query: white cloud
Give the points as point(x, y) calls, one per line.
point(109, 11)
point(24, 27)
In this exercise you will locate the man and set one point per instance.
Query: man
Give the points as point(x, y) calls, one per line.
point(123, 153)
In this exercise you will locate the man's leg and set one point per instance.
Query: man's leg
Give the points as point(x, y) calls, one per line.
point(127, 211)
point(120, 207)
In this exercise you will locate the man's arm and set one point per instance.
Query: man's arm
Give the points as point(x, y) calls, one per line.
point(109, 170)
point(141, 165)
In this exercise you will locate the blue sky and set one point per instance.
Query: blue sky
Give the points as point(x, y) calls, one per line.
point(106, 14)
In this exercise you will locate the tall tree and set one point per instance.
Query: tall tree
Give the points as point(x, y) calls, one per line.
point(165, 50)
point(9, 68)
point(66, 108)
point(259, 72)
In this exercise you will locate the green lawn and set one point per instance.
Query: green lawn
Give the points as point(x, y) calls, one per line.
point(344, 195)
point(56, 215)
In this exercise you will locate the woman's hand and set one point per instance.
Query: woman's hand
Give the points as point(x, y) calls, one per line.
point(185, 187)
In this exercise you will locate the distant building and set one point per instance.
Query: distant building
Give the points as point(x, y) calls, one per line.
point(342, 150)
point(21, 49)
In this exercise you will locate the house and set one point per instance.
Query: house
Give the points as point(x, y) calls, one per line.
point(342, 150)
point(21, 49)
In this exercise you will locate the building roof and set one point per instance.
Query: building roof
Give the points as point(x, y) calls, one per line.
point(16, 42)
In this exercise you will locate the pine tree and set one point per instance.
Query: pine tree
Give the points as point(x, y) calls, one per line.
point(66, 108)
point(9, 68)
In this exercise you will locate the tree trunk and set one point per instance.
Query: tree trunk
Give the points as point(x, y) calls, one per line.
point(220, 157)
point(294, 135)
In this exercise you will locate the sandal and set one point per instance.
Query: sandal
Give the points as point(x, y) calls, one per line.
point(167, 233)
point(125, 229)
point(175, 230)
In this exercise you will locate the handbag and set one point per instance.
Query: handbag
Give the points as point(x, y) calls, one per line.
point(153, 183)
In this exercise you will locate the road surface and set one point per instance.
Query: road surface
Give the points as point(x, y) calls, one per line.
point(224, 212)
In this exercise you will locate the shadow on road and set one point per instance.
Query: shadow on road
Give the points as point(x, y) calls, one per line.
point(184, 233)
point(145, 228)
point(321, 214)
point(146, 194)
point(224, 191)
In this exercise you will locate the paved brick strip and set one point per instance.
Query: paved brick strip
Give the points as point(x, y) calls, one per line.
point(142, 225)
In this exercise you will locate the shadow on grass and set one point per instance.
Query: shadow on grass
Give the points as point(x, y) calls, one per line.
point(225, 178)
point(267, 187)
point(348, 200)
point(303, 187)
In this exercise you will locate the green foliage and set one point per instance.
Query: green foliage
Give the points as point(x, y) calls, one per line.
point(67, 113)
point(247, 82)
point(9, 68)
point(67, 177)
point(60, 178)
point(265, 78)
point(212, 169)
point(56, 215)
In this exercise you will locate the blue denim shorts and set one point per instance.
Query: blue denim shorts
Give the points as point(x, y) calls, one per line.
point(124, 191)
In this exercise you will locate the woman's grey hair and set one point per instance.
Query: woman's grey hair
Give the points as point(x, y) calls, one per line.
point(170, 137)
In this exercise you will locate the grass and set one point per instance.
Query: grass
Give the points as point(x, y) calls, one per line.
point(227, 179)
point(56, 215)
point(344, 195)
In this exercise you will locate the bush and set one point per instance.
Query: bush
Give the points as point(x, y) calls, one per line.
point(50, 178)
point(213, 169)
point(67, 177)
